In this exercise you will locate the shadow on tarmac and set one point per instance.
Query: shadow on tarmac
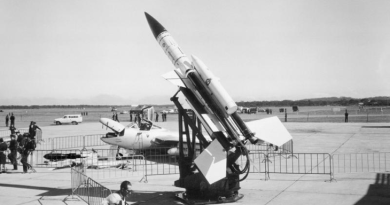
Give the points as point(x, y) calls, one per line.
point(378, 193)
point(50, 191)
point(146, 198)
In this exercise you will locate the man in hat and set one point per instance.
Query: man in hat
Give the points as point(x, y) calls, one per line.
point(13, 145)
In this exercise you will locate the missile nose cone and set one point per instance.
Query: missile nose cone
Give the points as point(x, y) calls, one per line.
point(155, 26)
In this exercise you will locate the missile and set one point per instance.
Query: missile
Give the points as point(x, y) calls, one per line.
point(201, 81)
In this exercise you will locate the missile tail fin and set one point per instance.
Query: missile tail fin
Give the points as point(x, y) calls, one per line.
point(173, 77)
point(270, 130)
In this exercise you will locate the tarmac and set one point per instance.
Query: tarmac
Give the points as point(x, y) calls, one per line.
point(54, 187)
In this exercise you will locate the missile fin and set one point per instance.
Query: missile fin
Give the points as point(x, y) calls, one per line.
point(212, 162)
point(270, 130)
point(173, 77)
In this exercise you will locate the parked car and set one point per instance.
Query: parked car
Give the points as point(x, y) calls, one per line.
point(69, 119)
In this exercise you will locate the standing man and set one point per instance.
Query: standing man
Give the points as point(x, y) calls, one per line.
point(116, 117)
point(346, 115)
point(156, 117)
point(6, 120)
point(3, 148)
point(139, 119)
point(131, 117)
point(32, 130)
point(285, 115)
point(28, 146)
point(13, 145)
point(12, 118)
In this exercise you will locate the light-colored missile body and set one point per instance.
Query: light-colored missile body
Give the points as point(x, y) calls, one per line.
point(214, 107)
point(174, 53)
point(196, 76)
point(220, 107)
point(215, 86)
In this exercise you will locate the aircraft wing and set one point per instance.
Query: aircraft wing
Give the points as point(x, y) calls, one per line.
point(270, 130)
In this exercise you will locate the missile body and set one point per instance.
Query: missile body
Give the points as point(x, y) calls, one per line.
point(200, 80)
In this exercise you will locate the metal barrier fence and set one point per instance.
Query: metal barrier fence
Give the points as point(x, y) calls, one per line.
point(87, 189)
point(361, 162)
point(80, 141)
point(7, 133)
point(299, 163)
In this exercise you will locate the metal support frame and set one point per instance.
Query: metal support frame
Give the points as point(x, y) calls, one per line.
point(218, 192)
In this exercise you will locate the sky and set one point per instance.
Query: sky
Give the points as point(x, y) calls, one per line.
point(104, 53)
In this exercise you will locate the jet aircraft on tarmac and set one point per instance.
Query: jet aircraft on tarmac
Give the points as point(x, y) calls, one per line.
point(150, 136)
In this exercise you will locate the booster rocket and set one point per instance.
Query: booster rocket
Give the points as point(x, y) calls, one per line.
point(219, 108)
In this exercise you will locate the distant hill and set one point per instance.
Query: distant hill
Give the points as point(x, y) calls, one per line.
point(331, 101)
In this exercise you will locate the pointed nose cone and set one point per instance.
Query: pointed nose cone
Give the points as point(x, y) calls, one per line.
point(155, 26)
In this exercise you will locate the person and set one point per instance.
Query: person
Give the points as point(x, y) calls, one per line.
point(119, 197)
point(12, 129)
point(113, 116)
point(32, 130)
point(13, 146)
point(165, 117)
point(6, 120)
point(3, 148)
point(131, 117)
point(346, 116)
point(156, 117)
point(28, 146)
point(285, 115)
point(116, 117)
point(12, 118)
point(20, 138)
point(139, 119)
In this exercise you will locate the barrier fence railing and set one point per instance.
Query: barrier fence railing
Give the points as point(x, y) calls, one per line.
point(7, 133)
point(299, 163)
point(87, 189)
point(80, 141)
point(361, 162)
point(103, 163)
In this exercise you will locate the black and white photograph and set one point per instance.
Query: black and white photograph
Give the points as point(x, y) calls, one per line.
point(194, 102)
